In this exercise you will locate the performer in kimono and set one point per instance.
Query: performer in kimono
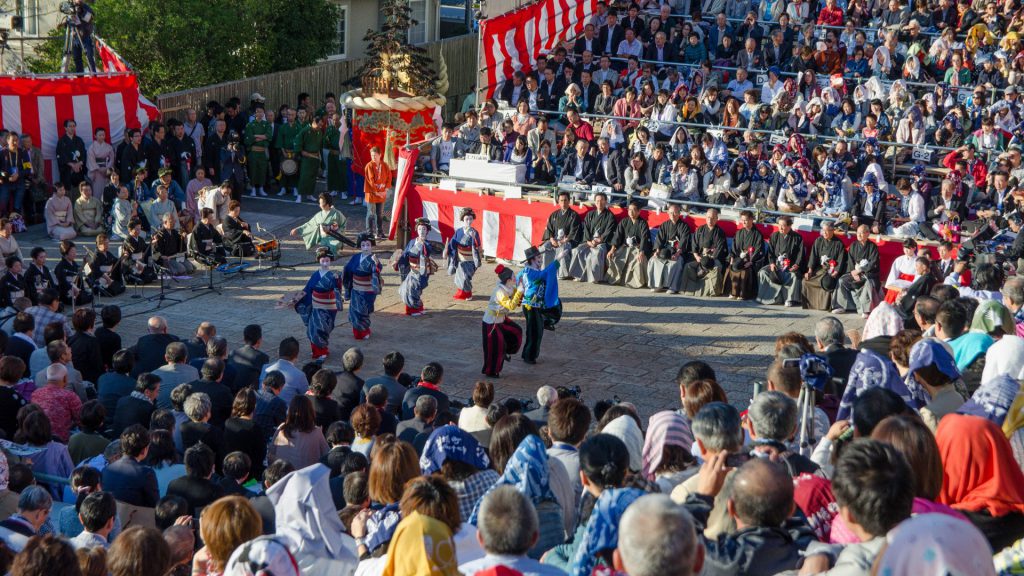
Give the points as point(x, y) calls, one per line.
point(169, 247)
point(502, 336)
point(257, 146)
point(630, 250)
point(746, 258)
point(309, 142)
point(541, 304)
point(589, 258)
point(104, 270)
point(207, 243)
point(161, 209)
point(703, 276)
point(314, 232)
point(826, 264)
point(858, 288)
point(99, 160)
point(779, 281)
point(13, 285)
point(70, 280)
point(123, 212)
point(320, 303)
point(60, 223)
point(38, 276)
point(415, 267)
point(903, 272)
point(237, 236)
point(671, 249)
point(363, 284)
point(564, 229)
point(88, 211)
point(135, 255)
point(463, 253)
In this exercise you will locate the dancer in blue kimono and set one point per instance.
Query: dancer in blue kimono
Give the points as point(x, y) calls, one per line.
point(541, 305)
point(463, 255)
point(362, 282)
point(415, 266)
point(320, 304)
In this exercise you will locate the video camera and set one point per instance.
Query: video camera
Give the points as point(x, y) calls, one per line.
point(67, 8)
point(815, 371)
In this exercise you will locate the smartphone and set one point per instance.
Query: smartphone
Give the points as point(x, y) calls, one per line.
point(759, 386)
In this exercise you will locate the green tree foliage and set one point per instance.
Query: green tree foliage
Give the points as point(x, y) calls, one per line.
point(180, 44)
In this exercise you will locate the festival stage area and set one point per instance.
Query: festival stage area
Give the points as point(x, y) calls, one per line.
point(612, 341)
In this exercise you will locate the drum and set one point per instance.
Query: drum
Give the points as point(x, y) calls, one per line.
point(289, 167)
point(266, 246)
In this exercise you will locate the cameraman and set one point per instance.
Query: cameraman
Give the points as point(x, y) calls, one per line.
point(81, 21)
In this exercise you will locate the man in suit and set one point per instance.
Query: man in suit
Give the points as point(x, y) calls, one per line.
point(487, 145)
point(422, 421)
point(749, 57)
point(350, 386)
point(196, 346)
point(85, 348)
point(660, 50)
point(611, 166)
point(149, 349)
point(589, 41)
point(512, 91)
point(581, 166)
point(550, 90)
point(175, 371)
point(611, 35)
point(588, 89)
point(430, 385)
point(128, 479)
point(941, 208)
point(137, 408)
point(830, 338)
point(221, 397)
point(633, 21)
point(249, 360)
point(719, 30)
point(947, 260)
point(776, 52)
point(21, 344)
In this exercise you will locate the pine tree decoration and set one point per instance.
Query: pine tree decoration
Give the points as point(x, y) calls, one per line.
point(394, 67)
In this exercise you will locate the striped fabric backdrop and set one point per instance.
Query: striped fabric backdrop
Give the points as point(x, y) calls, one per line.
point(39, 106)
point(515, 40)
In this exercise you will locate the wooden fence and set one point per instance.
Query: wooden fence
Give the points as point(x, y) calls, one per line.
point(329, 76)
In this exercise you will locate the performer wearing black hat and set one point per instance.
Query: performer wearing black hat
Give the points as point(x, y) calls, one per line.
point(541, 304)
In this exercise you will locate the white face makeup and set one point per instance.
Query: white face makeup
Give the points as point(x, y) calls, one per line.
point(467, 222)
point(365, 247)
point(421, 232)
point(325, 262)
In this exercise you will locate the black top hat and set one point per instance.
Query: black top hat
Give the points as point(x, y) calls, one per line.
point(531, 253)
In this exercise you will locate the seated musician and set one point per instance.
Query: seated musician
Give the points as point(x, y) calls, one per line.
point(135, 255)
point(12, 285)
point(104, 272)
point(237, 236)
point(169, 248)
point(207, 243)
point(69, 276)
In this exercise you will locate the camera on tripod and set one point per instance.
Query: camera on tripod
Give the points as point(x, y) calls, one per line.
point(10, 22)
point(67, 8)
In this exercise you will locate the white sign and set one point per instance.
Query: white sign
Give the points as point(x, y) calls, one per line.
point(513, 192)
point(715, 132)
point(922, 154)
point(869, 35)
point(777, 139)
point(658, 197)
point(760, 79)
point(962, 96)
point(449, 184)
point(507, 113)
point(478, 157)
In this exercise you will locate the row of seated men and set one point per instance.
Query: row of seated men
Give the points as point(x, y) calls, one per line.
point(775, 270)
point(139, 260)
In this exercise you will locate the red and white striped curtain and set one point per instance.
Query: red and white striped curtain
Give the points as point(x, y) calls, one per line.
point(515, 40)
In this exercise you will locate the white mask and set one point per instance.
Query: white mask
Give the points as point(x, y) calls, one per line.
point(325, 263)
point(421, 232)
point(467, 222)
point(366, 248)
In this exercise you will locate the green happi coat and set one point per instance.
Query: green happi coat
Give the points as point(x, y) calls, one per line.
point(258, 157)
point(309, 141)
point(285, 141)
point(335, 166)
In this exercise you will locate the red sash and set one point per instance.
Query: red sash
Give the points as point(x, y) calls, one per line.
point(891, 294)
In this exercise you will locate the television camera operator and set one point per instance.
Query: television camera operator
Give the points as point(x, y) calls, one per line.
point(81, 20)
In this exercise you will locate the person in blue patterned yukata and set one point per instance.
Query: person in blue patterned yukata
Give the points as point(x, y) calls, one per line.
point(463, 253)
point(320, 304)
point(541, 305)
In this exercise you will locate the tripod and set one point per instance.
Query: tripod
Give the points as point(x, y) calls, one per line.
point(164, 273)
point(807, 441)
point(70, 35)
point(210, 265)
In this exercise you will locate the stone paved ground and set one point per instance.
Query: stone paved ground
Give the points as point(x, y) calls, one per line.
point(612, 341)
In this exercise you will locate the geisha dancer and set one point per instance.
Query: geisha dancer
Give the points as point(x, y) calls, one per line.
point(362, 282)
point(415, 266)
point(320, 303)
point(502, 336)
point(463, 254)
